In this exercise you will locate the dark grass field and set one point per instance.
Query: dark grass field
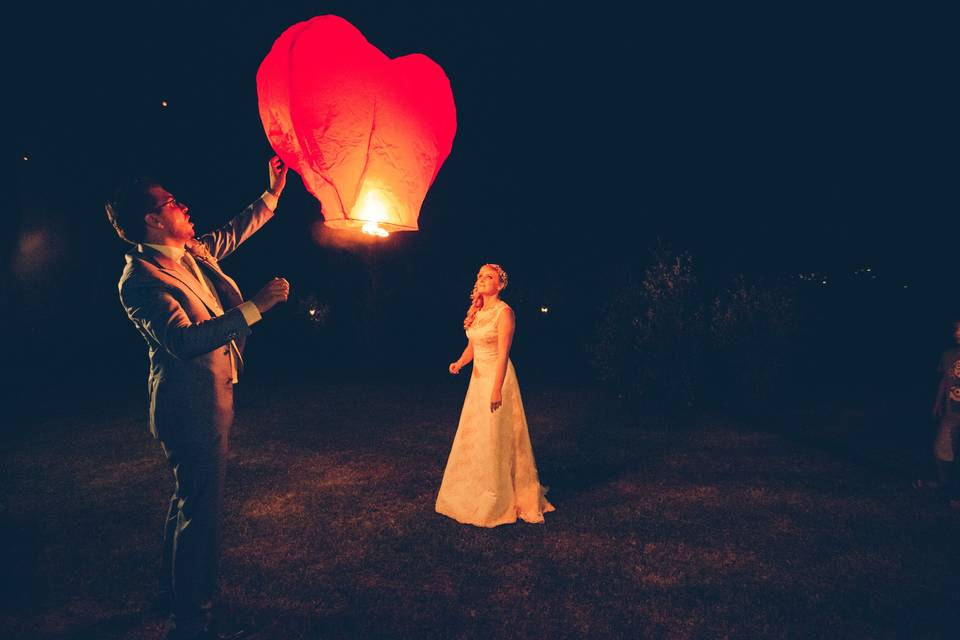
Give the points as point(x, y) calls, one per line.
point(697, 528)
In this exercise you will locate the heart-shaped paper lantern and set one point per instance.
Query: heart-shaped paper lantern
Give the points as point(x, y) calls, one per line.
point(366, 133)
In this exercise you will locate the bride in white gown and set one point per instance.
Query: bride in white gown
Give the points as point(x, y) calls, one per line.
point(491, 476)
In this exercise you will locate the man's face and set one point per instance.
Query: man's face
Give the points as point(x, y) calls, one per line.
point(170, 215)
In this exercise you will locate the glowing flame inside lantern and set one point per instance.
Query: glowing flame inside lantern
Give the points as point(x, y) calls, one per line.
point(372, 208)
point(373, 229)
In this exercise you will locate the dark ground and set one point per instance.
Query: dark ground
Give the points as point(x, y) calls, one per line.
point(675, 528)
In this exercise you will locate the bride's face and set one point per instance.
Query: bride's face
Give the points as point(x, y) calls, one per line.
point(488, 282)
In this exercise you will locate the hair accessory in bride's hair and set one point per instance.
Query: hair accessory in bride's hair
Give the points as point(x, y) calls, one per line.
point(501, 274)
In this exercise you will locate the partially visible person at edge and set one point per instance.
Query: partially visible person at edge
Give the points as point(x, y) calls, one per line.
point(195, 323)
point(946, 407)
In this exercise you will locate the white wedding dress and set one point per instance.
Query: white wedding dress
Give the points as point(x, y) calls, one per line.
point(491, 476)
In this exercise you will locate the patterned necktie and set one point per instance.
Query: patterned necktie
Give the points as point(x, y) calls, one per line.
point(191, 265)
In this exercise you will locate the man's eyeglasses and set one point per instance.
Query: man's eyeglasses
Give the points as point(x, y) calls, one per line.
point(171, 201)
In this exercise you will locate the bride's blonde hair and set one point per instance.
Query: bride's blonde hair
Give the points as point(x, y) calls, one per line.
point(476, 300)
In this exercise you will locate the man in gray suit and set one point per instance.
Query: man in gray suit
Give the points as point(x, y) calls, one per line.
point(195, 322)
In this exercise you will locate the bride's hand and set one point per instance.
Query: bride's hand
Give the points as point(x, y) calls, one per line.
point(495, 401)
point(454, 368)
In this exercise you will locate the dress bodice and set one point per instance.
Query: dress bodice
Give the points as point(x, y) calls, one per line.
point(483, 332)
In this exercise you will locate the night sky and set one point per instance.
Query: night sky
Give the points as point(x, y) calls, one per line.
point(762, 139)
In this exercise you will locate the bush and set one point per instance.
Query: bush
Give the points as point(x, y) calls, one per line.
point(754, 331)
point(667, 341)
point(650, 338)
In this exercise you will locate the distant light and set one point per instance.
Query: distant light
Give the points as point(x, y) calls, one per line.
point(25, 157)
point(164, 104)
point(823, 282)
point(315, 311)
point(868, 269)
point(906, 286)
point(544, 310)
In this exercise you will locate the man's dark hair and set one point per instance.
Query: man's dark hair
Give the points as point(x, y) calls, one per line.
point(129, 205)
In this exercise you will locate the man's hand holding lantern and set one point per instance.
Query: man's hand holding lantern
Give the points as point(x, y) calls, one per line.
point(277, 175)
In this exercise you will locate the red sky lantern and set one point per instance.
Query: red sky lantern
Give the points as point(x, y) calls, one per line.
point(367, 134)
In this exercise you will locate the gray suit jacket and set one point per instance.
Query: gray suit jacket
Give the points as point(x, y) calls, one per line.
point(190, 380)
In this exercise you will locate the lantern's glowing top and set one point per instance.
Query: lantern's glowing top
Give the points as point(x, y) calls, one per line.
point(367, 134)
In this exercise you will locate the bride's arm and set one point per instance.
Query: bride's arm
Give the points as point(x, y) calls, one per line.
point(505, 326)
point(465, 358)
